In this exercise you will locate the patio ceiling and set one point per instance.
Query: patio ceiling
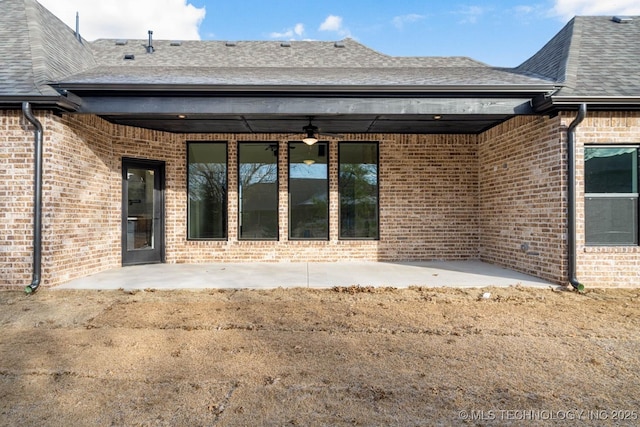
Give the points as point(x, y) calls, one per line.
point(329, 125)
point(353, 114)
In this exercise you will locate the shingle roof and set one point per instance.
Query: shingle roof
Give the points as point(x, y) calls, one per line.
point(344, 63)
point(591, 56)
point(37, 49)
point(295, 54)
point(445, 77)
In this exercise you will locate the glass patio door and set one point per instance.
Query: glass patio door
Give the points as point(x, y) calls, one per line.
point(142, 211)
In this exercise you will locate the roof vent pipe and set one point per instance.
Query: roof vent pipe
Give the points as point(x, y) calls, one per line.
point(37, 199)
point(78, 37)
point(150, 48)
point(622, 19)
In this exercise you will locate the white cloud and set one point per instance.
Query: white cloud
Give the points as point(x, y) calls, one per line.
point(283, 35)
point(523, 9)
point(168, 19)
point(470, 14)
point(400, 21)
point(567, 9)
point(290, 33)
point(334, 23)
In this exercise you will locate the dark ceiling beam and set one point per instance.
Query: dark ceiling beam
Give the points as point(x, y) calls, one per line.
point(137, 105)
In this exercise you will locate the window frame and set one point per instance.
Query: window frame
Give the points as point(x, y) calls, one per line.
point(328, 189)
point(635, 196)
point(340, 237)
point(225, 202)
point(277, 184)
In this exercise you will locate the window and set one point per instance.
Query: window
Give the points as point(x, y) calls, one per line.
point(358, 186)
point(207, 190)
point(258, 190)
point(308, 191)
point(611, 195)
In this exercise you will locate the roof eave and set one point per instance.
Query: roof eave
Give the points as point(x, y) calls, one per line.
point(461, 90)
point(59, 103)
point(597, 102)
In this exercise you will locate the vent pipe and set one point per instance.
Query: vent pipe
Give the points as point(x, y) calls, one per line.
point(150, 46)
point(78, 37)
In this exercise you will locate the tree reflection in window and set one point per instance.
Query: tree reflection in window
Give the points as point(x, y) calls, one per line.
point(207, 190)
point(308, 191)
point(358, 187)
point(258, 190)
point(611, 195)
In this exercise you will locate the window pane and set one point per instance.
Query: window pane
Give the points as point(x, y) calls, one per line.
point(207, 182)
point(358, 186)
point(611, 170)
point(308, 191)
point(611, 220)
point(258, 190)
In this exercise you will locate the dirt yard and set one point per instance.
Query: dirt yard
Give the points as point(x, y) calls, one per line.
point(299, 357)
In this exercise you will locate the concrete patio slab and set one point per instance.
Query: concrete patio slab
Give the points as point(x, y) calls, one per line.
point(464, 274)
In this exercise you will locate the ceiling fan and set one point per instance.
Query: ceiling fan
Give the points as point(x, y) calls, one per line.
point(312, 133)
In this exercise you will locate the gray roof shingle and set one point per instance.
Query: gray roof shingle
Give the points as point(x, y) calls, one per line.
point(591, 56)
point(263, 63)
point(298, 54)
point(312, 77)
point(37, 48)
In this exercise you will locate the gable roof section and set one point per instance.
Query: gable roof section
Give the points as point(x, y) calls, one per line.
point(271, 87)
point(307, 65)
point(595, 59)
point(39, 49)
point(550, 62)
point(604, 59)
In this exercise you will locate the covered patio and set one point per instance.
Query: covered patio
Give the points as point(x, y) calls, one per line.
point(462, 274)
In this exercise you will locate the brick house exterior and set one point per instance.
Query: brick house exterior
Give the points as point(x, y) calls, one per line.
point(472, 160)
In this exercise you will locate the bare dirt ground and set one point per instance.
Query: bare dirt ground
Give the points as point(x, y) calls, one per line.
point(300, 357)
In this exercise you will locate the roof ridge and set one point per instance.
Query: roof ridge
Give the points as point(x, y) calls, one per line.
point(572, 58)
point(550, 61)
point(50, 57)
point(38, 63)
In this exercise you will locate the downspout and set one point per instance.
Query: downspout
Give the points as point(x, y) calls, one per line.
point(571, 196)
point(37, 199)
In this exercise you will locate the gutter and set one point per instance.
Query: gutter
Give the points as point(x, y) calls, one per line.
point(302, 89)
point(37, 199)
point(571, 196)
point(546, 104)
point(56, 103)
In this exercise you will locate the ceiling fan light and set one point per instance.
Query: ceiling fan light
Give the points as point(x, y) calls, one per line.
point(310, 130)
point(308, 162)
point(310, 140)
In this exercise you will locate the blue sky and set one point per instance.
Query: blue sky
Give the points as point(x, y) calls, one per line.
point(497, 32)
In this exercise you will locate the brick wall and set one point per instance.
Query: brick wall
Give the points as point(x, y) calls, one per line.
point(16, 199)
point(522, 197)
point(499, 196)
point(428, 199)
point(604, 266)
point(428, 203)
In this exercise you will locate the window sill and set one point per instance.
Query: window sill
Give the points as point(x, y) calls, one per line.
point(631, 249)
